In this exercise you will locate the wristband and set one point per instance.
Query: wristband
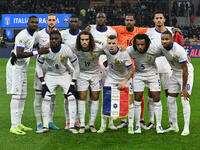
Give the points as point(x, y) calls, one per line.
point(43, 83)
point(35, 53)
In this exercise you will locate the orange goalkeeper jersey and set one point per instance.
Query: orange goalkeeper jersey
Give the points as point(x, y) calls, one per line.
point(125, 37)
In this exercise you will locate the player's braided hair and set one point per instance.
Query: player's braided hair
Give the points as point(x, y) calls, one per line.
point(141, 37)
point(91, 43)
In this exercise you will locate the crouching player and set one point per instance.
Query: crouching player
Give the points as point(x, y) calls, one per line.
point(181, 81)
point(119, 75)
point(57, 75)
point(143, 54)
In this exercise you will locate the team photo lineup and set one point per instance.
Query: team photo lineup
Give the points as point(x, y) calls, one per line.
point(83, 63)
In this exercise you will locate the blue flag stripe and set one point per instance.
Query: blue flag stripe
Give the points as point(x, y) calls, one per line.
point(106, 101)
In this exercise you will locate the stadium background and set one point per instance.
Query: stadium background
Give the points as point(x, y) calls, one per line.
point(184, 14)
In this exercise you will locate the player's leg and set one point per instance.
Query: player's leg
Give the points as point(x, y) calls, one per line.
point(173, 91)
point(186, 103)
point(142, 122)
point(66, 113)
point(150, 106)
point(38, 102)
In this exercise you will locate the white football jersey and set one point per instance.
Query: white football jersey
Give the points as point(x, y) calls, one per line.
point(118, 64)
point(25, 41)
point(42, 37)
point(57, 61)
point(175, 56)
point(144, 63)
point(161, 62)
point(88, 61)
point(68, 38)
point(101, 36)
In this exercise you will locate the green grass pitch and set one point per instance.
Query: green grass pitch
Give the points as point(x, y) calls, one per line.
point(110, 140)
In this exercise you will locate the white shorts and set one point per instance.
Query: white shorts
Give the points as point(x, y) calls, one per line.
point(16, 80)
point(85, 80)
point(53, 82)
point(152, 82)
point(111, 82)
point(165, 78)
point(176, 82)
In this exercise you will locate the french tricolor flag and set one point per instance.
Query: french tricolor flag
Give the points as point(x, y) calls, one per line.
point(115, 103)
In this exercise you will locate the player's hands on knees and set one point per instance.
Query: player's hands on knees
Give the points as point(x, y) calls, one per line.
point(44, 49)
point(72, 89)
point(13, 58)
point(121, 85)
point(44, 89)
point(185, 94)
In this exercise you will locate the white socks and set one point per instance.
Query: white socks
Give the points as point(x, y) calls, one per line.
point(72, 110)
point(131, 115)
point(81, 112)
point(53, 104)
point(186, 113)
point(46, 111)
point(93, 111)
point(103, 121)
point(16, 110)
point(137, 112)
point(158, 112)
point(172, 110)
point(151, 109)
point(37, 106)
point(66, 110)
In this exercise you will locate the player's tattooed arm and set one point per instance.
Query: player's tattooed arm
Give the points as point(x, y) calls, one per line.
point(184, 92)
point(122, 84)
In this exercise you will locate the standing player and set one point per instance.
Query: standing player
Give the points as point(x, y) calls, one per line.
point(88, 55)
point(125, 35)
point(16, 79)
point(119, 75)
point(57, 75)
point(69, 38)
point(42, 39)
point(162, 65)
point(145, 74)
point(181, 81)
point(100, 33)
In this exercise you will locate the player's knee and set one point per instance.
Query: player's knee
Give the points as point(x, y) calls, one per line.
point(19, 97)
point(156, 97)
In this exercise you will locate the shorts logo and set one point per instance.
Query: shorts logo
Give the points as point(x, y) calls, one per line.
point(7, 20)
point(17, 89)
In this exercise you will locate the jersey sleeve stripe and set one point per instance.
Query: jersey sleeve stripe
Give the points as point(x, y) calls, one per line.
point(74, 60)
point(129, 66)
point(181, 62)
point(40, 61)
point(20, 47)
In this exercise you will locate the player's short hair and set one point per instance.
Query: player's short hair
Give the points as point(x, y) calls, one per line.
point(141, 37)
point(31, 17)
point(167, 32)
point(158, 12)
point(130, 14)
point(51, 14)
point(55, 31)
point(73, 16)
point(91, 43)
point(100, 13)
point(112, 37)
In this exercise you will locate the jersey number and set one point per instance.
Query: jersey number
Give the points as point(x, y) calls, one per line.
point(142, 66)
